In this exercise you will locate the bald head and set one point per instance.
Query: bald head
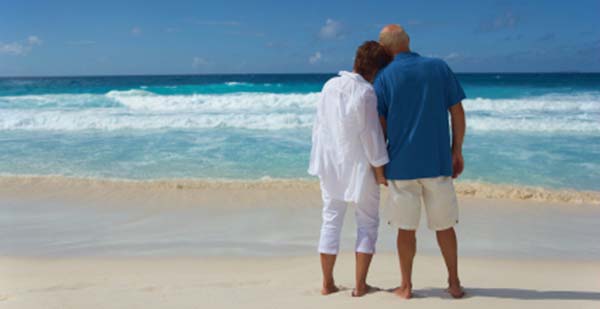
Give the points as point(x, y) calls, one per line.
point(394, 39)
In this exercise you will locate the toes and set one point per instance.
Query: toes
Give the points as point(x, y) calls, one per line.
point(356, 293)
point(456, 293)
point(329, 290)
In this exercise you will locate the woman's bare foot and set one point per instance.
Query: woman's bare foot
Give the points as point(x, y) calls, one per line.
point(329, 289)
point(404, 291)
point(455, 290)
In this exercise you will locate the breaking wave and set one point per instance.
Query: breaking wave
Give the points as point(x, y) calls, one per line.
point(144, 109)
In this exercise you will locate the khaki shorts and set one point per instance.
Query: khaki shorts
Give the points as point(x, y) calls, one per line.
point(403, 209)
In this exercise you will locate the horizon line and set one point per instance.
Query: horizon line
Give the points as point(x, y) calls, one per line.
point(229, 74)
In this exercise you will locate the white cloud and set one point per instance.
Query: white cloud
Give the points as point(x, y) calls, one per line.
point(198, 62)
point(452, 56)
point(34, 40)
point(315, 58)
point(12, 48)
point(136, 30)
point(20, 48)
point(331, 30)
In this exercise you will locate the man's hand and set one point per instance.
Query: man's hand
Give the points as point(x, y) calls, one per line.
point(458, 163)
point(459, 126)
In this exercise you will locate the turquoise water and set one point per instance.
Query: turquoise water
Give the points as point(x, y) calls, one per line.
point(532, 129)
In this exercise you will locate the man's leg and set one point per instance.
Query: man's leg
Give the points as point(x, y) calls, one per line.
point(404, 212)
point(407, 248)
point(329, 242)
point(442, 214)
point(448, 245)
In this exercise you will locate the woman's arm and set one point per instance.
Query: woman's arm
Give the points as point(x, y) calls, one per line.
point(372, 135)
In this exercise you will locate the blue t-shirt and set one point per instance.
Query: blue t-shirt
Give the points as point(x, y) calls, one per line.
point(413, 95)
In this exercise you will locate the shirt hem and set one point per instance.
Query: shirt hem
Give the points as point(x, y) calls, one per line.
point(419, 176)
point(381, 162)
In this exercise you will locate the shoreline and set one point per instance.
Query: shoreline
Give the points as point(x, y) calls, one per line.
point(472, 189)
point(58, 216)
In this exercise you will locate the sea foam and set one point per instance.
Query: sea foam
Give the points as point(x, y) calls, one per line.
point(257, 102)
point(143, 109)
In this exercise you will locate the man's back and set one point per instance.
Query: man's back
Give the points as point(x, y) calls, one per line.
point(414, 94)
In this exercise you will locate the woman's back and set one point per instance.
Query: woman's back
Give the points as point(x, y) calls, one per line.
point(341, 133)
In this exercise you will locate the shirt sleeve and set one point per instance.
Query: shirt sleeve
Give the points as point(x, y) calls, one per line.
point(371, 134)
point(454, 91)
point(313, 166)
point(382, 107)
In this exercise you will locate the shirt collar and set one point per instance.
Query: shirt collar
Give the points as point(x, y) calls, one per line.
point(353, 75)
point(405, 55)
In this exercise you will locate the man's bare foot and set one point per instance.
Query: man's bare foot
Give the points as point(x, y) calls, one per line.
point(330, 289)
point(362, 290)
point(455, 290)
point(404, 291)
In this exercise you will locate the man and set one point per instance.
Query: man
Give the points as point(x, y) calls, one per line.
point(414, 96)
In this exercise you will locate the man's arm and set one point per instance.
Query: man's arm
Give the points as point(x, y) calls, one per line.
point(457, 115)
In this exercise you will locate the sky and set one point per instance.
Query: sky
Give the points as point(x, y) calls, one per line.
point(42, 38)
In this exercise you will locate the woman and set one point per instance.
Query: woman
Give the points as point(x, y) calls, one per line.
point(348, 154)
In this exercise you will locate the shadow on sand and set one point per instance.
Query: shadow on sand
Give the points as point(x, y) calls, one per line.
point(522, 294)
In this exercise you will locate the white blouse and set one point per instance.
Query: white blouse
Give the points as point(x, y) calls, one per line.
point(347, 139)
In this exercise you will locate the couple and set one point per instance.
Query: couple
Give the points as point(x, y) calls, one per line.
point(396, 96)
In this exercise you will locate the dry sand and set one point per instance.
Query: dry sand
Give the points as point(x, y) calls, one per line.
point(291, 282)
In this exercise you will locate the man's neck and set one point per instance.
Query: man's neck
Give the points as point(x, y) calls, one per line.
point(402, 51)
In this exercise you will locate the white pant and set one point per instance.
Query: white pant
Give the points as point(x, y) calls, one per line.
point(367, 221)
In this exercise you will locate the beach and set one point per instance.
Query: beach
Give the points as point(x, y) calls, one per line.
point(81, 243)
point(195, 154)
point(191, 192)
point(290, 282)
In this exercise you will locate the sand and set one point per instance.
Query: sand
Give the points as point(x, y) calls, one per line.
point(73, 187)
point(290, 282)
point(76, 243)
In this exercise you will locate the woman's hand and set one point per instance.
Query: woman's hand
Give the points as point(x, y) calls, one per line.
point(380, 176)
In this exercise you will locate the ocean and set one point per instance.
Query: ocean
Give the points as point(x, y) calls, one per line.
point(523, 129)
